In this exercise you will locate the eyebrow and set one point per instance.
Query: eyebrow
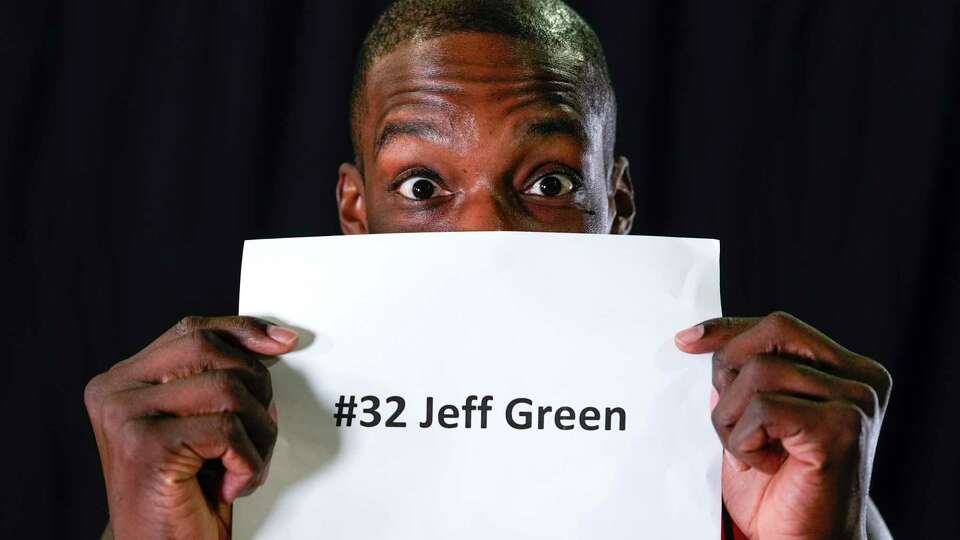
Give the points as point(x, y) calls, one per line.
point(548, 127)
point(393, 130)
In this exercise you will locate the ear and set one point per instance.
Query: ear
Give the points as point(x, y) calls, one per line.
point(351, 203)
point(621, 205)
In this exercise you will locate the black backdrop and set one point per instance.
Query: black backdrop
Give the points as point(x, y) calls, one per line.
point(141, 142)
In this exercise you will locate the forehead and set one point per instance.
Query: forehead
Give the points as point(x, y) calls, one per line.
point(466, 78)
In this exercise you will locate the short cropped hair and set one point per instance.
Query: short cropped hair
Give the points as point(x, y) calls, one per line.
point(549, 24)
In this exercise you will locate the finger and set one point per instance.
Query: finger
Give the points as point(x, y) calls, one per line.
point(816, 434)
point(784, 335)
point(251, 333)
point(711, 335)
point(211, 392)
point(187, 356)
point(196, 439)
point(194, 353)
point(774, 375)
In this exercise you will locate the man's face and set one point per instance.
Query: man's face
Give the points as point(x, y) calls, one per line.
point(479, 131)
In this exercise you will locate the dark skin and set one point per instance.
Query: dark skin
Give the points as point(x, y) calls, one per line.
point(455, 137)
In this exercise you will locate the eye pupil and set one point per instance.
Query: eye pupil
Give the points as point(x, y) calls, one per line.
point(551, 186)
point(423, 189)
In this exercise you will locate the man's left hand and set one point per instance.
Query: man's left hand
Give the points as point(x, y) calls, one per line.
point(798, 416)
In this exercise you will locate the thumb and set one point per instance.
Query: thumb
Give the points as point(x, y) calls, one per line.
point(267, 338)
point(713, 334)
point(251, 333)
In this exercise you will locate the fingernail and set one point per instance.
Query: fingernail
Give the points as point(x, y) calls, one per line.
point(690, 335)
point(734, 462)
point(282, 334)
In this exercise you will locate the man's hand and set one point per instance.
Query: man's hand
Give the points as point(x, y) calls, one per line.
point(799, 417)
point(183, 426)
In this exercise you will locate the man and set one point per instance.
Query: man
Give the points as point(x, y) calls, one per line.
point(488, 115)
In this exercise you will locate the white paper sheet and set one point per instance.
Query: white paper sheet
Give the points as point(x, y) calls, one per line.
point(561, 319)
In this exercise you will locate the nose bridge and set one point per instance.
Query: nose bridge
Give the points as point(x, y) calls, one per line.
point(485, 207)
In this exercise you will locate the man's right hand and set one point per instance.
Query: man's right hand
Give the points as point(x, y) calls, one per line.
point(185, 426)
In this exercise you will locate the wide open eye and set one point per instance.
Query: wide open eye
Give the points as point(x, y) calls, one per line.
point(555, 184)
point(420, 188)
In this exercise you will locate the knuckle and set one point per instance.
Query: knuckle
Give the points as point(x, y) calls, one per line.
point(716, 359)
point(200, 338)
point(722, 422)
point(779, 320)
point(866, 397)
point(204, 345)
point(719, 359)
point(113, 412)
point(760, 374)
point(852, 425)
point(233, 433)
point(187, 325)
point(230, 389)
point(229, 427)
point(719, 379)
point(876, 375)
point(723, 374)
point(225, 382)
point(853, 418)
point(93, 394)
point(760, 406)
point(755, 370)
point(715, 418)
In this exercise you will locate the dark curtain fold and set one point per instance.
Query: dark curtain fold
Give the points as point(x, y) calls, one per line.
point(141, 142)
